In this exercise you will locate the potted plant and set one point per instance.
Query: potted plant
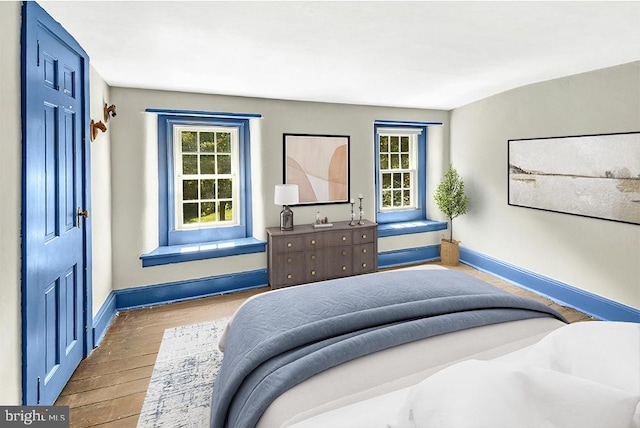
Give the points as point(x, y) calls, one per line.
point(452, 201)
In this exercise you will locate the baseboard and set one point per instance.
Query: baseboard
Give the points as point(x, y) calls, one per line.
point(408, 256)
point(104, 318)
point(151, 295)
point(583, 301)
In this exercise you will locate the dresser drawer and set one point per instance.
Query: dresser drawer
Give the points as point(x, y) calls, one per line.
point(283, 244)
point(364, 258)
point(314, 265)
point(289, 269)
point(339, 261)
point(338, 238)
point(363, 235)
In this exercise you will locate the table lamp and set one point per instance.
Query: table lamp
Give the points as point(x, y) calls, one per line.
point(286, 194)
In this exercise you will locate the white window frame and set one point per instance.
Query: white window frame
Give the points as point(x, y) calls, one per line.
point(179, 176)
point(412, 133)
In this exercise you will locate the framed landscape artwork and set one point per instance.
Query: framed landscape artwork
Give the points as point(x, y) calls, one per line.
point(593, 175)
point(319, 165)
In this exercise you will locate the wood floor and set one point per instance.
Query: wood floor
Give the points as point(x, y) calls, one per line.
point(109, 386)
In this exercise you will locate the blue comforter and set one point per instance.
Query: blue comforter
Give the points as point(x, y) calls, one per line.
point(279, 339)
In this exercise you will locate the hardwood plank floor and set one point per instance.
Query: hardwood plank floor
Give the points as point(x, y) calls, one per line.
point(109, 386)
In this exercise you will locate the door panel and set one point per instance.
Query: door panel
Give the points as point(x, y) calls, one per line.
point(55, 257)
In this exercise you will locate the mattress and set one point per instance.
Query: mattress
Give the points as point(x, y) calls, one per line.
point(385, 376)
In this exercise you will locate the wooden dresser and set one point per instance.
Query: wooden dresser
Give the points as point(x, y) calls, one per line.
point(307, 254)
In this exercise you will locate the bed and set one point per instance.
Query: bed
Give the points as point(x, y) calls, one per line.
point(419, 347)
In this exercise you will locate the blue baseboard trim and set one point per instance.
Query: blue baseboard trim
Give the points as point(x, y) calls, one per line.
point(138, 297)
point(408, 256)
point(588, 303)
point(104, 318)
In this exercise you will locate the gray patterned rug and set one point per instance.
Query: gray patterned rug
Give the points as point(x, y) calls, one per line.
point(179, 393)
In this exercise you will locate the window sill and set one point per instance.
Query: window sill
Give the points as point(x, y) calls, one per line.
point(408, 227)
point(206, 250)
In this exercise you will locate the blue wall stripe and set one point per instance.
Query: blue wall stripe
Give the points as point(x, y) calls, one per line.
point(591, 304)
point(408, 256)
point(104, 318)
point(151, 295)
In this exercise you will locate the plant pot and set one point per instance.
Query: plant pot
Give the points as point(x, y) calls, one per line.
point(449, 252)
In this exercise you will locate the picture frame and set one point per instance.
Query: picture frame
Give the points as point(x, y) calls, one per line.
point(319, 165)
point(595, 176)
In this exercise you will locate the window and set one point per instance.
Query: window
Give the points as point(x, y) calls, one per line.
point(204, 177)
point(398, 170)
point(400, 173)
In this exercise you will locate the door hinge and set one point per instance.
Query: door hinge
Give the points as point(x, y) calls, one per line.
point(38, 392)
point(38, 54)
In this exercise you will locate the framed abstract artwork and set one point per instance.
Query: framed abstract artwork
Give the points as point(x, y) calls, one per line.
point(319, 165)
point(591, 175)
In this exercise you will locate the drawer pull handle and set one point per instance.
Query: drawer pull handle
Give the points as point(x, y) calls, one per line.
point(289, 244)
point(344, 253)
point(313, 242)
point(313, 272)
point(364, 236)
point(289, 260)
point(313, 257)
point(364, 250)
point(344, 268)
point(344, 238)
point(364, 265)
point(288, 276)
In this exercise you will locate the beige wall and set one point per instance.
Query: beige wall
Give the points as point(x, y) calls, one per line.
point(597, 256)
point(10, 176)
point(100, 195)
point(135, 173)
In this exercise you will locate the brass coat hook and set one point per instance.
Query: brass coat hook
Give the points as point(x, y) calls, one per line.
point(109, 112)
point(95, 126)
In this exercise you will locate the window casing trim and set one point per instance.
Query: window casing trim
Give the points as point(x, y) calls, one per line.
point(168, 234)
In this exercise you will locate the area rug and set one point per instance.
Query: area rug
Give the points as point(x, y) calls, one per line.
point(179, 393)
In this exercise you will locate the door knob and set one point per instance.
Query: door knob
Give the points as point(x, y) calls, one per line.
point(81, 213)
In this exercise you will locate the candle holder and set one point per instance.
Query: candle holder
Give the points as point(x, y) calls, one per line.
point(353, 215)
point(361, 221)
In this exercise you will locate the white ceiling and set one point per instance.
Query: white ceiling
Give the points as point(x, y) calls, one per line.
point(423, 54)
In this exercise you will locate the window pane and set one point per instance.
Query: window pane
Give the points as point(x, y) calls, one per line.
point(406, 180)
point(386, 198)
point(224, 188)
point(224, 142)
point(190, 213)
point(207, 142)
point(404, 144)
point(397, 180)
point(395, 161)
point(207, 164)
point(189, 141)
point(207, 212)
point(190, 164)
point(395, 146)
point(190, 190)
point(226, 210)
point(397, 198)
point(386, 181)
point(208, 189)
point(384, 161)
point(384, 144)
point(404, 161)
point(224, 164)
point(407, 197)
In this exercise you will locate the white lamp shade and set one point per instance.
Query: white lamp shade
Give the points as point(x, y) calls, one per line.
point(286, 194)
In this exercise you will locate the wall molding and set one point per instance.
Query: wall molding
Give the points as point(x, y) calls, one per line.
point(408, 256)
point(567, 295)
point(103, 319)
point(151, 295)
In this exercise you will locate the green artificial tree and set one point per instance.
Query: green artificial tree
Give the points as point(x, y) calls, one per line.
point(450, 196)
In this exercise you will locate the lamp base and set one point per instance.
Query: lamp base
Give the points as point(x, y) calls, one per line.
point(286, 218)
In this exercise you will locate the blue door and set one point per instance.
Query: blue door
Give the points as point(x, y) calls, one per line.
point(55, 232)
